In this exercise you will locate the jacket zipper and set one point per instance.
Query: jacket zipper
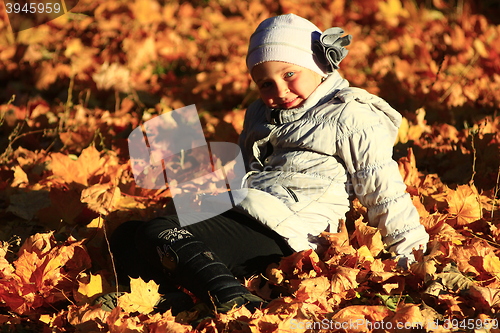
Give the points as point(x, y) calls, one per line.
point(290, 193)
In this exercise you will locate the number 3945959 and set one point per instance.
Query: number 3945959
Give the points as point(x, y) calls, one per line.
point(33, 8)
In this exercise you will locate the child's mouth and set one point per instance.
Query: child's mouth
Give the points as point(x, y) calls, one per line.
point(293, 103)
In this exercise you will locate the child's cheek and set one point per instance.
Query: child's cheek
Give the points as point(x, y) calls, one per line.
point(266, 99)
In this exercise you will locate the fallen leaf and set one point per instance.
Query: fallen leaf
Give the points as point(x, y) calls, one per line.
point(360, 318)
point(408, 316)
point(463, 205)
point(344, 279)
point(27, 204)
point(142, 298)
point(78, 171)
point(313, 290)
point(94, 285)
point(303, 264)
point(101, 198)
point(369, 237)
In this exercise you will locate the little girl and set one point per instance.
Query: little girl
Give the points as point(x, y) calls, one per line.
point(310, 144)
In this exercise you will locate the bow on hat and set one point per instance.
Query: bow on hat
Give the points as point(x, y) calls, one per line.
point(329, 49)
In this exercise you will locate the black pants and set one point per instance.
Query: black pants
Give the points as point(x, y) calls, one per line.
point(244, 245)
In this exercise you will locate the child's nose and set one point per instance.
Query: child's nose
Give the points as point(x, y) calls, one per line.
point(282, 90)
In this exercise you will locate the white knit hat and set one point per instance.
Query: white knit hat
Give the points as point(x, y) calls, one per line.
point(287, 38)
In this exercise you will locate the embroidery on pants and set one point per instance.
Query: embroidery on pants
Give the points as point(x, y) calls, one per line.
point(174, 234)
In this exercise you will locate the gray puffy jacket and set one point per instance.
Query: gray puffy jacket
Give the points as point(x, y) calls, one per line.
point(303, 162)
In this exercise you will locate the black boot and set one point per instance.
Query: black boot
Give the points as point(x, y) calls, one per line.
point(198, 269)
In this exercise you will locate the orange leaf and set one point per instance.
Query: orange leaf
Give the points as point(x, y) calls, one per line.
point(304, 264)
point(408, 169)
point(274, 274)
point(86, 318)
point(20, 177)
point(166, 323)
point(368, 236)
point(464, 205)
point(344, 279)
point(79, 171)
point(408, 315)
point(360, 316)
point(470, 256)
point(43, 272)
point(381, 270)
point(312, 290)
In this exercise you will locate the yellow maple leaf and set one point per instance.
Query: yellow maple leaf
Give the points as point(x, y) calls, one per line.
point(491, 264)
point(94, 285)
point(142, 298)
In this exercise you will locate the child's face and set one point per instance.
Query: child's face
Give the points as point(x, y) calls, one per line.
point(284, 86)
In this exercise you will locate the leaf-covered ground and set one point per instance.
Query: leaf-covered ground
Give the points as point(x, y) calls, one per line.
point(73, 89)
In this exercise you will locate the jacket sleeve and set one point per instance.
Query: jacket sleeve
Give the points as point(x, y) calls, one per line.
point(365, 144)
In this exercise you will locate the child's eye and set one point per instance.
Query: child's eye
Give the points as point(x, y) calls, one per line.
point(265, 85)
point(289, 74)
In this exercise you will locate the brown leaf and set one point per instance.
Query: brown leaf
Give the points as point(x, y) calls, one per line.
point(101, 198)
point(78, 139)
point(469, 256)
point(486, 298)
point(408, 315)
point(424, 267)
point(26, 205)
point(255, 285)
